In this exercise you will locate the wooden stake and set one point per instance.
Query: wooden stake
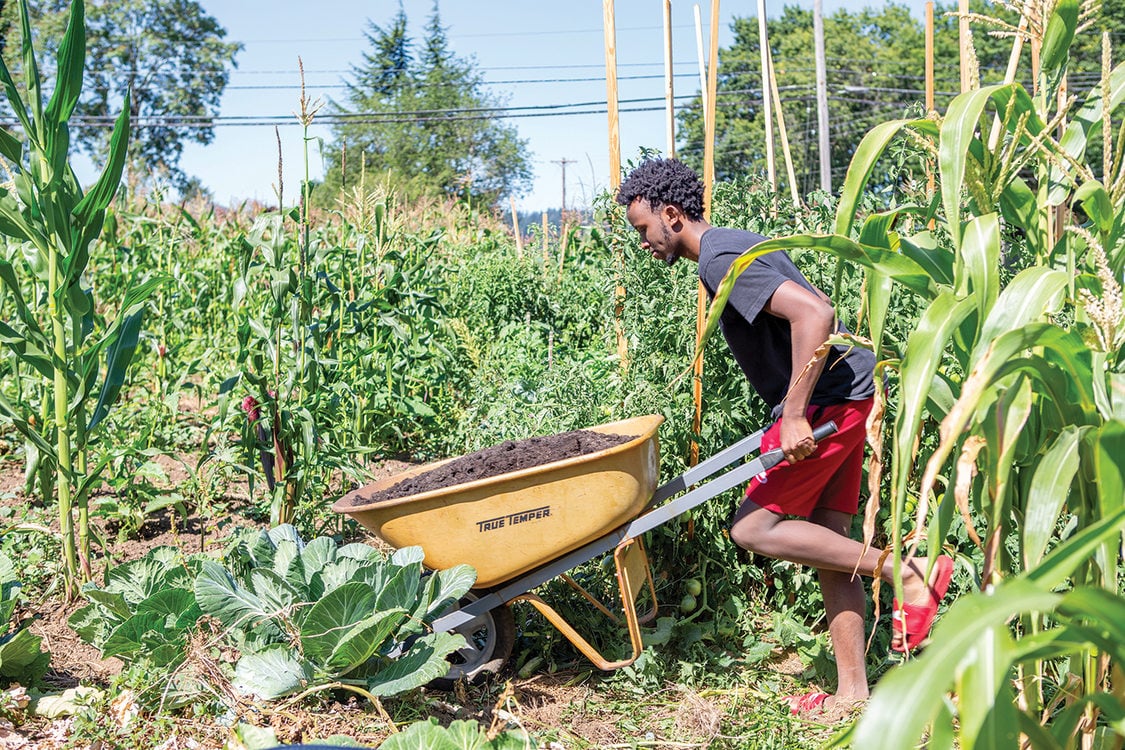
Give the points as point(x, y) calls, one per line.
point(823, 142)
point(615, 173)
point(516, 228)
point(708, 190)
point(702, 64)
point(789, 171)
point(764, 43)
point(964, 42)
point(669, 87)
point(931, 181)
point(611, 96)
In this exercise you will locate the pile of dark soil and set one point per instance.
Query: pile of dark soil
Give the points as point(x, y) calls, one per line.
point(504, 458)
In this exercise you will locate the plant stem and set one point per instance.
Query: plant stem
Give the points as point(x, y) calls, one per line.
point(62, 433)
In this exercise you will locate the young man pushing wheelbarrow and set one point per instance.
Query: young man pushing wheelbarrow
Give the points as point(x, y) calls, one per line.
point(801, 510)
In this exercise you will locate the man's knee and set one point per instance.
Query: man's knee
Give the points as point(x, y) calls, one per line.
point(751, 532)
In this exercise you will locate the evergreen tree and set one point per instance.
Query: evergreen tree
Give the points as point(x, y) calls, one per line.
point(426, 123)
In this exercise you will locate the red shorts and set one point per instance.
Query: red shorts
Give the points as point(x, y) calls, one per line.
point(830, 478)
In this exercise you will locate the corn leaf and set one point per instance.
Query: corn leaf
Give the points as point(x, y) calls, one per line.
point(1033, 293)
point(863, 162)
point(98, 198)
point(121, 340)
point(72, 60)
point(924, 249)
point(979, 262)
point(958, 131)
point(925, 350)
point(986, 707)
point(1050, 486)
point(31, 73)
point(908, 698)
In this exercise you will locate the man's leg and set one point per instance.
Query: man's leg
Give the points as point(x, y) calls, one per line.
point(817, 545)
point(845, 605)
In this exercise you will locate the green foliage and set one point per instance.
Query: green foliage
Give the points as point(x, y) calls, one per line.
point(143, 611)
point(22, 659)
point(314, 617)
point(51, 331)
point(421, 140)
point(1013, 357)
point(459, 735)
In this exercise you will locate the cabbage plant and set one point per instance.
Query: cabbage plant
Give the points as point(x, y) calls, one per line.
point(309, 617)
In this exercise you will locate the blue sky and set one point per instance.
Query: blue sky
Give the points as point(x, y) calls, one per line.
point(532, 54)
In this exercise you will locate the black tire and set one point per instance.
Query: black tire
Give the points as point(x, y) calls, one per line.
point(490, 637)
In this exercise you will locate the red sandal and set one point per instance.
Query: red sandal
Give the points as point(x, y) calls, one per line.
point(806, 702)
point(914, 621)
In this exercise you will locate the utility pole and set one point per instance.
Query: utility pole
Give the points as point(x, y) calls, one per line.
point(563, 162)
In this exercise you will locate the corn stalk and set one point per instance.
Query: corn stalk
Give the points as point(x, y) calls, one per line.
point(47, 212)
point(1026, 378)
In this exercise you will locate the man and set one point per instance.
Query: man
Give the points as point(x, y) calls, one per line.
point(801, 511)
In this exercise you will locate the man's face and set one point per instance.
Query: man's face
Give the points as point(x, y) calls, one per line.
point(653, 227)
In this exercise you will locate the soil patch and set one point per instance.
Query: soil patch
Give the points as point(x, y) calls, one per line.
point(507, 457)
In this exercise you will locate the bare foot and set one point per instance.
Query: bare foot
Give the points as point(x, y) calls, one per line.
point(915, 590)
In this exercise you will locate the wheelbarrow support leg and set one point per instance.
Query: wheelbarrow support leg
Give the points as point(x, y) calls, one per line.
point(633, 574)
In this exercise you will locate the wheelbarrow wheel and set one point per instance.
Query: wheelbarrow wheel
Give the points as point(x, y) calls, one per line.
point(490, 638)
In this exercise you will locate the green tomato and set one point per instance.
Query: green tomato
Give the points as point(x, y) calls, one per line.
point(687, 604)
point(693, 586)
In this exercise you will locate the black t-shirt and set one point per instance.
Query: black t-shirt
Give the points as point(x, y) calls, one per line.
point(762, 343)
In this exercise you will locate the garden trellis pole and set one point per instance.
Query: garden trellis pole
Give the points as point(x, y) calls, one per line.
point(822, 98)
point(763, 43)
point(964, 42)
point(708, 190)
point(669, 87)
point(615, 169)
point(702, 62)
point(931, 183)
point(789, 171)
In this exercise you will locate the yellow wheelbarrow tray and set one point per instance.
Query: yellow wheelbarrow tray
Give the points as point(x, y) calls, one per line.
point(524, 528)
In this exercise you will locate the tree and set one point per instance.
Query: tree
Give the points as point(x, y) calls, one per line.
point(169, 54)
point(875, 61)
point(875, 72)
point(425, 121)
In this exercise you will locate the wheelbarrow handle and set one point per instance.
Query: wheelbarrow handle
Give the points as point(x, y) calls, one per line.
point(772, 458)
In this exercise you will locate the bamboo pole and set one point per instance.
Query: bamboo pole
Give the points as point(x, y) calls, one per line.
point(669, 86)
point(963, 43)
point(789, 171)
point(611, 95)
point(699, 51)
point(823, 142)
point(615, 173)
point(708, 190)
point(764, 44)
point(931, 180)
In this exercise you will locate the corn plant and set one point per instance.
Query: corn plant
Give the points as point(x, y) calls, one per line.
point(1018, 357)
point(51, 333)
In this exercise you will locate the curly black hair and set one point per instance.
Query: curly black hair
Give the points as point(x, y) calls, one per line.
point(664, 182)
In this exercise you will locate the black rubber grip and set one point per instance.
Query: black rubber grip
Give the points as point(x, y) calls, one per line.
point(772, 458)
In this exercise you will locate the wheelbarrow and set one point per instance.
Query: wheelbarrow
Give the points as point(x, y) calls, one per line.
point(522, 529)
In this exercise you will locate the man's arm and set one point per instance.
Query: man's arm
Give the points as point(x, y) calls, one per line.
point(811, 319)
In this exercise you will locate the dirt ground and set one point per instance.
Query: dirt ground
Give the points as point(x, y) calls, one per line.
point(540, 703)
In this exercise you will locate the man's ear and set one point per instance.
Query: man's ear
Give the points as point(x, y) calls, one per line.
point(672, 215)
